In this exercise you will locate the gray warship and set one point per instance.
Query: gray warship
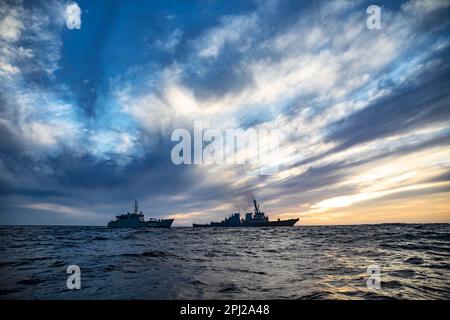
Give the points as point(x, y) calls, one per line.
point(252, 219)
point(136, 220)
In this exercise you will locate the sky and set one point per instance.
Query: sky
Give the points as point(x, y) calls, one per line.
point(91, 91)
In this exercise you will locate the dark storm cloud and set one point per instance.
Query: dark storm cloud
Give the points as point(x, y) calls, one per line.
point(80, 180)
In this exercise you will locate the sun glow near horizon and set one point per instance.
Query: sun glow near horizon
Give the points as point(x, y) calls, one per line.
point(88, 110)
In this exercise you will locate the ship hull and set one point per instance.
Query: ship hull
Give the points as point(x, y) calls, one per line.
point(162, 223)
point(277, 223)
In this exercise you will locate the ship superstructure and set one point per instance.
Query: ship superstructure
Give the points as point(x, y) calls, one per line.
point(257, 218)
point(136, 219)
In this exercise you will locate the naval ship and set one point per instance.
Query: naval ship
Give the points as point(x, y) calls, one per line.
point(136, 220)
point(252, 219)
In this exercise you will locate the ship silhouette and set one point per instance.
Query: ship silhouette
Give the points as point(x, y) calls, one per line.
point(136, 220)
point(257, 218)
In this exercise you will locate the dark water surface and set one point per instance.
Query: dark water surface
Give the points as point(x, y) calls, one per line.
point(267, 263)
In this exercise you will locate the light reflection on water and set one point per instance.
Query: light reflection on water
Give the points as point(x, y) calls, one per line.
point(267, 263)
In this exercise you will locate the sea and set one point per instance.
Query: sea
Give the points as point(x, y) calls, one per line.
point(384, 261)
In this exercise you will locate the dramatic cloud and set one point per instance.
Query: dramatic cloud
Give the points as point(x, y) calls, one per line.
point(86, 116)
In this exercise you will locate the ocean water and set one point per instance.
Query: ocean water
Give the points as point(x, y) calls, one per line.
point(267, 263)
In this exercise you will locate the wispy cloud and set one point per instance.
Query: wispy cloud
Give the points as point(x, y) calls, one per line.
point(363, 114)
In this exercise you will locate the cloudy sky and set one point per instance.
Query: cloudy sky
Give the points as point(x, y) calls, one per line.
point(88, 105)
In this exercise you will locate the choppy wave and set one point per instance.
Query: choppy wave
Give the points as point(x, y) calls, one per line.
point(268, 263)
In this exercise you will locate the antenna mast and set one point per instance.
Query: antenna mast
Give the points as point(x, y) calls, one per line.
point(135, 207)
point(256, 205)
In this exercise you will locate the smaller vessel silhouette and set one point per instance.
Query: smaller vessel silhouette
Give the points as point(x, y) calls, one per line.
point(136, 220)
point(256, 218)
